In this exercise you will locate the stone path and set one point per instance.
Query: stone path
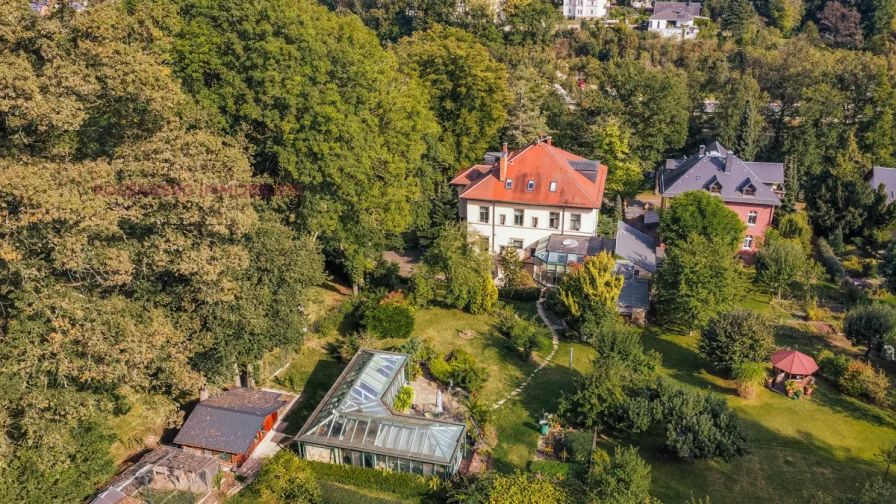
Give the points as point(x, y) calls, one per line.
point(556, 342)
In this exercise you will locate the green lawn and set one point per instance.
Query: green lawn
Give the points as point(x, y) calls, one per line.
point(823, 444)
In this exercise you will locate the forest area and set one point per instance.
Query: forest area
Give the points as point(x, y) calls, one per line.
point(113, 284)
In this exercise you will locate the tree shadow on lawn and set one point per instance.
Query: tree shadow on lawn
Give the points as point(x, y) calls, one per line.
point(319, 382)
point(779, 468)
point(684, 363)
point(837, 402)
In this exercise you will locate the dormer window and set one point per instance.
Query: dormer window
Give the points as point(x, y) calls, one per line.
point(553, 187)
point(715, 188)
point(698, 178)
point(508, 184)
point(749, 190)
point(530, 186)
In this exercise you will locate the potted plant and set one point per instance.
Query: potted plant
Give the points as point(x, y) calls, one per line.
point(797, 394)
point(769, 382)
point(790, 386)
point(809, 388)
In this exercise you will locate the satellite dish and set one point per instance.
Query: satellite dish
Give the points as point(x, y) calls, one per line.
point(569, 243)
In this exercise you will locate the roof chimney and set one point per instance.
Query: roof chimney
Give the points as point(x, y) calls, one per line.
point(548, 139)
point(729, 161)
point(502, 164)
point(702, 150)
point(203, 394)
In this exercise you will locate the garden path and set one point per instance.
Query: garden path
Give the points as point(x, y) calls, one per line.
point(554, 340)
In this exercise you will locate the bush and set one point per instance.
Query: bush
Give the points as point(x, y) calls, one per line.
point(348, 346)
point(525, 335)
point(329, 323)
point(868, 325)
point(520, 293)
point(578, 445)
point(286, 478)
point(830, 261)
point(440, 369)
point(406, 485)
point(832, 366)
point(749, 376)
point(853, 266)
point(553, 470)
point(736, 337)
point(869, 268)
point(404, 399)
point(465, 372)
point(384, 275)
point(420, 350)
point(862, 380)
point(391, 318)
point(484, 297)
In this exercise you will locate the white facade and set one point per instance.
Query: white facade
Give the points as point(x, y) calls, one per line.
point(502, 228)
point(673, 29)
point(584, 9)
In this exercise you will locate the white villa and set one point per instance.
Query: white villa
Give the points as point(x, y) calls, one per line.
point(518, 198)
point(584, 9)
point(675, 19)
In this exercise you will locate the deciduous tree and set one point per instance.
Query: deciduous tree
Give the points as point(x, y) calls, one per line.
point(735, 337)
point(702, 214)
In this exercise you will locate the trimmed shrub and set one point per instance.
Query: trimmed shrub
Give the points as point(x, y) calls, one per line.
point(391, 318)
point(863, 380)
point(520, 293)
point(404, 399)
point(553, 470)
point(422, 286)
point(748, 376)
point(286, 478)
point(465, 372)
point(406, 485)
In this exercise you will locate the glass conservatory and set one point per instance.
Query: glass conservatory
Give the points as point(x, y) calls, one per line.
point(355, 424)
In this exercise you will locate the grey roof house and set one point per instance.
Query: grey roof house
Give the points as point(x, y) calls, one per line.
point(752, 189)
point(886, 177)
point(230, 425)
point(675, 19)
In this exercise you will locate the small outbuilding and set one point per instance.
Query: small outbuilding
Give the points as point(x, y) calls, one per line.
point(792, 365)
point(232, 424)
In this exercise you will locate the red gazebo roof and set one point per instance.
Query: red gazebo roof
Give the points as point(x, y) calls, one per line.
point(793, 362)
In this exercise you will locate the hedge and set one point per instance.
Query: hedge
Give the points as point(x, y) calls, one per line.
point(552, 469)
point(336, 494)
point(405, 485)
point(520, 294)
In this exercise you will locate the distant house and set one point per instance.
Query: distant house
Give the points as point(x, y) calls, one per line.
point(751, 189)
point(886, 177)
point(355, 424)
point(45, 7)
point(230, 425)
point(675, 19)
point(584, 9)
point(518, 198)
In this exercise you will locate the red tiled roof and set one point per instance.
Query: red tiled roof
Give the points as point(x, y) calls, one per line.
point(543, 164)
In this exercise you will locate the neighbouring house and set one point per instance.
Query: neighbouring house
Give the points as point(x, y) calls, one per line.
point(751, 189)
point(584, 9)
point(355, 424)
point(675, 19)
point(230, 425)
point(166, 469)
point(46, 7)
point(885, 177)
point(515, 199)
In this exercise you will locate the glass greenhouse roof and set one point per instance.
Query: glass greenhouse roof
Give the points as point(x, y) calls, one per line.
point(354, 415)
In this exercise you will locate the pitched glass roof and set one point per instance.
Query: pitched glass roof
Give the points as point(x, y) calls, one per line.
point(353, 415)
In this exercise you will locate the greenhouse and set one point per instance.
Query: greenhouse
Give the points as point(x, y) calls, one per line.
point(555, 254)
point(355, 423)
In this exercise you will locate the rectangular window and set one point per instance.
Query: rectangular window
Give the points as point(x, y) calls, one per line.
point(517, 217)
point(517, 244)
point(553, 187)
point(555, 220)
point(535, 222)
point(503, 219)
point(483, 214)
point(530, 186)
point(751, 218)
point(575, 221)
point(748, 242)
point(508, 184)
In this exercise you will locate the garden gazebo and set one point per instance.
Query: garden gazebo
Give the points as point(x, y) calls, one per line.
point(792, 365)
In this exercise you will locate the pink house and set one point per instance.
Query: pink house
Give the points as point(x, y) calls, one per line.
point(752, 189)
